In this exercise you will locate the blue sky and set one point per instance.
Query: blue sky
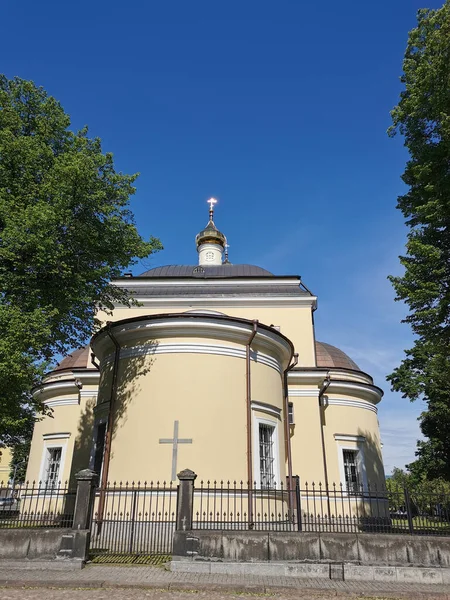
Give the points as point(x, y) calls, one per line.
point(280, 110)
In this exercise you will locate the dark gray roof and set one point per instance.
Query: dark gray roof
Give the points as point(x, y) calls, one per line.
point(226, 270)
point(216, 290)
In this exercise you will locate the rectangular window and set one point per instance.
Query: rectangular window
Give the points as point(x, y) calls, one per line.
point(352, 481)
point(266, 457)
point(291, 413)
point(52, 466)
point(99, 448)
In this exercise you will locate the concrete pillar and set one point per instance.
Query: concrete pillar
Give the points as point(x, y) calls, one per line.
point(185, 504)
point(87, 481)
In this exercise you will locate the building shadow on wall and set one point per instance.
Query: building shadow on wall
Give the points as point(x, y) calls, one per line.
point(373, 460)
point(129, 385)
point(83, 442)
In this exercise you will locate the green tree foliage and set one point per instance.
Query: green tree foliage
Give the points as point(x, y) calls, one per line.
point(66, 230)
point(422, 116)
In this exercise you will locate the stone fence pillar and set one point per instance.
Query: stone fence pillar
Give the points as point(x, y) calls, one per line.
point(87, 482)
point(185, 505)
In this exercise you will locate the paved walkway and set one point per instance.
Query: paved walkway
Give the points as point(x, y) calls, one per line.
point(111, 576)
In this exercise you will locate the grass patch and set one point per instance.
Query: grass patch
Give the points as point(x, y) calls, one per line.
point(155, 560)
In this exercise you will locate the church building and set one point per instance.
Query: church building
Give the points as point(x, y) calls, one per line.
point(217, 369)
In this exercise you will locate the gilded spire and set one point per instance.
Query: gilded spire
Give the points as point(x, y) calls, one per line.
point(210, 241)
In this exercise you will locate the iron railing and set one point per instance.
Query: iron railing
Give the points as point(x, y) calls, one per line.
point(235, 505)
point(36, 504)
point(134, 518)
point(316, 508)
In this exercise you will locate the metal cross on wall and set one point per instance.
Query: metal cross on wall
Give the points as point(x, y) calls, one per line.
point(175, 441)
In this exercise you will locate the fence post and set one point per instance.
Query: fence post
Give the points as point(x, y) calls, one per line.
point(298, 502)
point(185, 500)
point(133, 520)
point(87, 481)
point(408, 510)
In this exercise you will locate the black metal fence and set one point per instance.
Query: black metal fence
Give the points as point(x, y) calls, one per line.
point(235, 505)
point(316, 508)
point(134, 518)
point(35, 504)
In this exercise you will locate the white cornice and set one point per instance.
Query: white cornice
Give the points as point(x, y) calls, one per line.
point(364, 404)
point(56, 388)
point(61, 401)
point(187, 348)
point(200, 281)
point(83, 375)
point(343, 437)
point(314, 392)
point(88, 377)
point(266, 408)
point(220, 301)
point(134, 332)
point(349, 402)
point(56, 436)
point(318, 376)
point(88, 393)
point(368, 392)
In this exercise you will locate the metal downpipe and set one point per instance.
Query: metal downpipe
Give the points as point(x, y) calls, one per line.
point(249, 424)
point(287, 436)
point(109, 428)
point(323, 389)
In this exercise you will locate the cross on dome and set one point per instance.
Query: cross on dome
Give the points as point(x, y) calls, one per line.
point(211, 203)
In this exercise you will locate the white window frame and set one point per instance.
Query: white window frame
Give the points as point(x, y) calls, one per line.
point(356, 446)
point(56, 442)
point(257, 421)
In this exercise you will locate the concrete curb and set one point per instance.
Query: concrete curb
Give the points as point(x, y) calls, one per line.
point(64, 564)
point(340, 571)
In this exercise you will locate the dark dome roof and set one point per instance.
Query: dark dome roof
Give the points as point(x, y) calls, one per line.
point(330, 356)
point(225, 270)
point(78, 359)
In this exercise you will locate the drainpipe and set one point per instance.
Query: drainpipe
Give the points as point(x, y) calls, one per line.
point(109, 428)
point(323, 389)
point(287, 436)
point(249, 424)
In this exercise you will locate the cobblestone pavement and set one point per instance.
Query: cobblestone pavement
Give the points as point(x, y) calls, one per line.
point(157, 583)
point(136, 593)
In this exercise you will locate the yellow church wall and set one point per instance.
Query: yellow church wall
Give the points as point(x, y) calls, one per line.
point(294, 322)
point(306, 443)
point(206, 395)
point(201, 386)
point(5, 465)
point(69, 427)
point(353, 422)
point(267, 384)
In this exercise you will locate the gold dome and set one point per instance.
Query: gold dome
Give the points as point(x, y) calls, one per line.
point(210, 235)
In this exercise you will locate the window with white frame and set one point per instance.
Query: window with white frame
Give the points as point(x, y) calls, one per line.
point(52, 466)
point(266, 455)
point(351, 470)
